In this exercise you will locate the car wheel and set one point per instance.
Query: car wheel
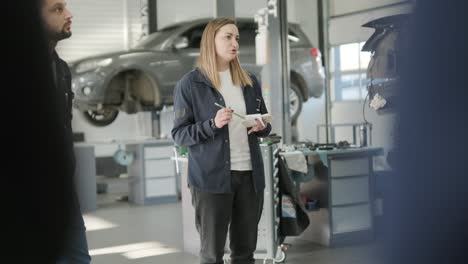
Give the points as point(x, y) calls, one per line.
point(295, 102)
point(102, 117)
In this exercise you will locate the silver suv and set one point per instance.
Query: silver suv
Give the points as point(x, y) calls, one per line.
point(143, 78)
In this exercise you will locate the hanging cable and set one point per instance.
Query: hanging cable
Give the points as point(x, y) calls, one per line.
point(363, 108)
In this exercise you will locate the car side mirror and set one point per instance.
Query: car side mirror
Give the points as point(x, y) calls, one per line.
point(180, 43)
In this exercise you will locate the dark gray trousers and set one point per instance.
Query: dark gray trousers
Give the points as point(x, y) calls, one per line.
point(239, 211)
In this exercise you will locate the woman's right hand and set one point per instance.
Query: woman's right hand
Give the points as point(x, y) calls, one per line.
point(223, 117)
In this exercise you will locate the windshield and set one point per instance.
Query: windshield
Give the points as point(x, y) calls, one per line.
point(156, 38)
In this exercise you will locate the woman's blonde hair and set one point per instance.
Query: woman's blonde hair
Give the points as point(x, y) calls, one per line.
point(207, 60)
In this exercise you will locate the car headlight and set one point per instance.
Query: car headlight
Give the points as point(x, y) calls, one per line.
point(92, 64)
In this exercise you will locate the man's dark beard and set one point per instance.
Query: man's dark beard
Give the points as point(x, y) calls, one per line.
point(57, 36)
point(63, 35)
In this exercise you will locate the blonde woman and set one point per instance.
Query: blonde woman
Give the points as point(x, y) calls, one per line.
point(225, 169)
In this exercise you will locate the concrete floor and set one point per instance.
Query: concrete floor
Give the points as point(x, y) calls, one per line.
point(119, 232)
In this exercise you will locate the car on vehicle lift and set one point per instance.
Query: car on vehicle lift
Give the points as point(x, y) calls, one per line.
point(143, 78)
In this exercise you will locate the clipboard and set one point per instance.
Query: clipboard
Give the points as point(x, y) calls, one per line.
point(249, 120)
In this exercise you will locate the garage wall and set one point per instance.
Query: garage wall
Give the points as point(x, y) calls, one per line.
point(137, 21)
point(101, 26)
point(303, 12)
point(348, 29)
point(313, 111)
point(246, 8)
point(109, 25)
point(172, 11)
point(134, 126)
point(307, 16)
point(341, 7)
point(312, 115)
point(382, 127)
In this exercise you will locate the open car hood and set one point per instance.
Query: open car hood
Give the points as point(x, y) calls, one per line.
point(382, 26)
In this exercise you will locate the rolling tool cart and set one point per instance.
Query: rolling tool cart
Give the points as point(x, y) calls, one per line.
point(270, 245)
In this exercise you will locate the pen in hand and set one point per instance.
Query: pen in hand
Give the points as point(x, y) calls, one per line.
point(220, 106)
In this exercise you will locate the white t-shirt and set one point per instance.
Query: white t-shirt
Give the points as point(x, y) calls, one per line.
point(238, 140)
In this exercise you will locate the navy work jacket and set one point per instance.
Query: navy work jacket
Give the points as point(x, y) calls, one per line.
point(209, 167)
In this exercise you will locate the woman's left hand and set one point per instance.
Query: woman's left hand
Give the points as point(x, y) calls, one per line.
point(258, 127)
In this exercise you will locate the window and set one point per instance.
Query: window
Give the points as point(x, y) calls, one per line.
point(154, 39)
point(348, 72)
point(194, 36)
point(247, 33)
